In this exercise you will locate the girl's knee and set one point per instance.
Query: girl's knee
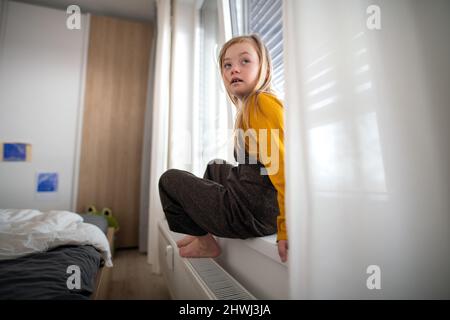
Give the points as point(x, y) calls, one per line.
point(168, 178)
point(217, 161)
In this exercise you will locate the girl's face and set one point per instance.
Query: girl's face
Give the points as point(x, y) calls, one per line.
point(240, 69)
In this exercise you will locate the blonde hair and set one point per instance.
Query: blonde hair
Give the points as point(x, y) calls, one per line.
point(264, 83)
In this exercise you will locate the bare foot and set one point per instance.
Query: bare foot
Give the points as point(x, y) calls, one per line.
point(201, 247)
point(185, 241)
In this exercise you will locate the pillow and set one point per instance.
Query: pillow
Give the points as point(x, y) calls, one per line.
point(99, 221)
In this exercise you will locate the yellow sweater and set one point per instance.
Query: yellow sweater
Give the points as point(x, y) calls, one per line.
point(269, 114)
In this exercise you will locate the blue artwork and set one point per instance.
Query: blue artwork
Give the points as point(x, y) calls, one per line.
point(14, 152)
point(47, 182)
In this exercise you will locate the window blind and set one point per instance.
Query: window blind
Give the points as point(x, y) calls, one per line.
point(265, 17)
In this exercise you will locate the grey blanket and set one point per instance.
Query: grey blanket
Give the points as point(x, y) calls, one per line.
point(46, 275)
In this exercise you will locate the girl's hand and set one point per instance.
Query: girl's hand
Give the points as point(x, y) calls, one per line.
point(283, 250)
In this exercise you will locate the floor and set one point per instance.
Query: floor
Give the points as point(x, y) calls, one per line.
point(132, 278)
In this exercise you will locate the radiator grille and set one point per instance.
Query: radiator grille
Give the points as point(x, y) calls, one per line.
point(218, 281)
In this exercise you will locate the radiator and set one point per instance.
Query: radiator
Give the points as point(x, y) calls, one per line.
point(195, 279)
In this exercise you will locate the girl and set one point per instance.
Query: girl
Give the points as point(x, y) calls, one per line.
point(235, 201)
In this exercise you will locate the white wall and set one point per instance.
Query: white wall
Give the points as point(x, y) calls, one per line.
point(41, 64)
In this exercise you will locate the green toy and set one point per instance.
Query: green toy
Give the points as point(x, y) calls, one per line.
point(107, 213)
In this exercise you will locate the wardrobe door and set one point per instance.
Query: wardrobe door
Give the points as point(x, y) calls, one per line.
point(113, 121)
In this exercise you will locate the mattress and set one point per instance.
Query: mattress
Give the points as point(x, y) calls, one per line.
point(45, 275)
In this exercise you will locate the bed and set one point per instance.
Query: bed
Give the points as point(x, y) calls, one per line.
point(53, 255)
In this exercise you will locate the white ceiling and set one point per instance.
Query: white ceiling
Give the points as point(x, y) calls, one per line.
point(129, 9)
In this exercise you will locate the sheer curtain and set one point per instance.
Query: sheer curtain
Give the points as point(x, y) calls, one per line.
point(175, 107)
point(213, 114)
point(160, 126)
point(368, 207)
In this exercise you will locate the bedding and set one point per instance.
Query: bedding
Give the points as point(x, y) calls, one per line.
point(23, 232)
point(45, 275)
point(38, 251)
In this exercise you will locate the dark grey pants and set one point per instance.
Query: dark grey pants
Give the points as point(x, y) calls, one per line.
point(230, 201)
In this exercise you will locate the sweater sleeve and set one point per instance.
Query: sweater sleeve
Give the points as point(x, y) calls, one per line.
point(269, 115)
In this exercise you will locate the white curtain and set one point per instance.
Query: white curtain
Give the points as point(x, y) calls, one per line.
point(213, 115)
point(160, 126)
point(182, 85)
point(368, 105)
point(172, 137)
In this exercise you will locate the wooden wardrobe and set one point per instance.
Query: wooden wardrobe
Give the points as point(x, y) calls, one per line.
point(113, 121)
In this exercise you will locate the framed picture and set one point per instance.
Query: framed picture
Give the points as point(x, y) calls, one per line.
point(47, 182)
point(16, 152)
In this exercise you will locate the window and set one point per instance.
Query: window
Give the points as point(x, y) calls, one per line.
point(265, 18)
point(212, 134)
point(213, 114)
